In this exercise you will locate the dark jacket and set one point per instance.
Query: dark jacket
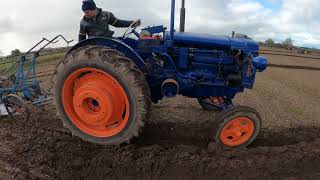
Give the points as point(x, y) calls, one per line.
point(99, 26)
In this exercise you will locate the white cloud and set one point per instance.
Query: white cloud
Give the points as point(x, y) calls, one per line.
point(25, 22)
point(240, 7)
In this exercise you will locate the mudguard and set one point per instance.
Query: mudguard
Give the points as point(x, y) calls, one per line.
point(114, 44)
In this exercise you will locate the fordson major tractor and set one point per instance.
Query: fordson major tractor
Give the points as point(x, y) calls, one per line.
point(104, 87)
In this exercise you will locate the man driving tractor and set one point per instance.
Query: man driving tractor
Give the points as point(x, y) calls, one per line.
point(95, 22)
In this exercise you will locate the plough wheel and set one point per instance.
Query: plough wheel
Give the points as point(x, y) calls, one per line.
point(17, 107)
point(101, 96)
point(236, 127)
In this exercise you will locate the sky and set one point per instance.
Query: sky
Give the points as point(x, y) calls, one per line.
point(23, 23)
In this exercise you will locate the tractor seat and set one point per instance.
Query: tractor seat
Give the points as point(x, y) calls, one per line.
point(199, 40)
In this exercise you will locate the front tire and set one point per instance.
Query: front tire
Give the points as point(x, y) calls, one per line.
point(237, 127)
point(101, 96)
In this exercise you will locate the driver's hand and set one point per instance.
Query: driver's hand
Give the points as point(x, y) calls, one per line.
point(136, 24)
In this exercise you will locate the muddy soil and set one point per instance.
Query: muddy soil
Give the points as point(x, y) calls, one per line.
point(174, 141)
point(172, 145)
point(293, 61)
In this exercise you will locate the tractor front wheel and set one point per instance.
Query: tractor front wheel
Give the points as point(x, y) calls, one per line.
point(101, 96)
point(236, 127)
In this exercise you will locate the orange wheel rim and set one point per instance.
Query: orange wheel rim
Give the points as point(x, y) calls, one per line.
point(95, 102)
point(237, 132)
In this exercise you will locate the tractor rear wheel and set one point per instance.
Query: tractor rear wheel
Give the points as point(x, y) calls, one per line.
point(236, 127)
point(101, 95)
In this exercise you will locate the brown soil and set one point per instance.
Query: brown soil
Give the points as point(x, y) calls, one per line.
point(293, 61)
point(174, 143)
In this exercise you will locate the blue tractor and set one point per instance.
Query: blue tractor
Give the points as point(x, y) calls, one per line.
point(104, 87)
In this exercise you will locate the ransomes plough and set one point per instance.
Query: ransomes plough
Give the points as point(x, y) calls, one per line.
point(19, 85)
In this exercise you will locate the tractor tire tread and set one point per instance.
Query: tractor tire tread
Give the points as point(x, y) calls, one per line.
point(129, 72)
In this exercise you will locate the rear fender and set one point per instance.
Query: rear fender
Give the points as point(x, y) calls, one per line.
point(114, 44)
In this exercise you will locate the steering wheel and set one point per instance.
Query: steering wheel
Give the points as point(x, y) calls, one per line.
point(128, 33)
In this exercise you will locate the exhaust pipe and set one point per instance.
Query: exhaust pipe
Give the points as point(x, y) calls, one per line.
point(182, 16)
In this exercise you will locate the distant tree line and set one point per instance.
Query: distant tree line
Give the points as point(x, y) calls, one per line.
point(15, 52)
point(287, 44)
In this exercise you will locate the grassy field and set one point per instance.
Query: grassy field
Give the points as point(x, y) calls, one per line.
point(42, 60)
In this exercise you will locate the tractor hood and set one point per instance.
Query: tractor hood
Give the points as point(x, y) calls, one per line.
point(213, 41)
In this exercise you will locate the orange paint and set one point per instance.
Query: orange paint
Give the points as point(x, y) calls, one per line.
point(95, 102)
point(249, 70)
point(237, 132)
point(217, 100)
point(146, 37)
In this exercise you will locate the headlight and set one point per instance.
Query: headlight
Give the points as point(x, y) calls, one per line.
point(260, 63)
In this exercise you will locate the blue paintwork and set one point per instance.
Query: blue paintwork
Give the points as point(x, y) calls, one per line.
point(202, 64)
point(25, 81)
point(173, 7)
point(154, 29)
point(260, 63)
point(204, 40)
point(209, 41)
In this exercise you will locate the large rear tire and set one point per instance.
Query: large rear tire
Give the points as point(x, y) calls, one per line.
point(101, 95)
